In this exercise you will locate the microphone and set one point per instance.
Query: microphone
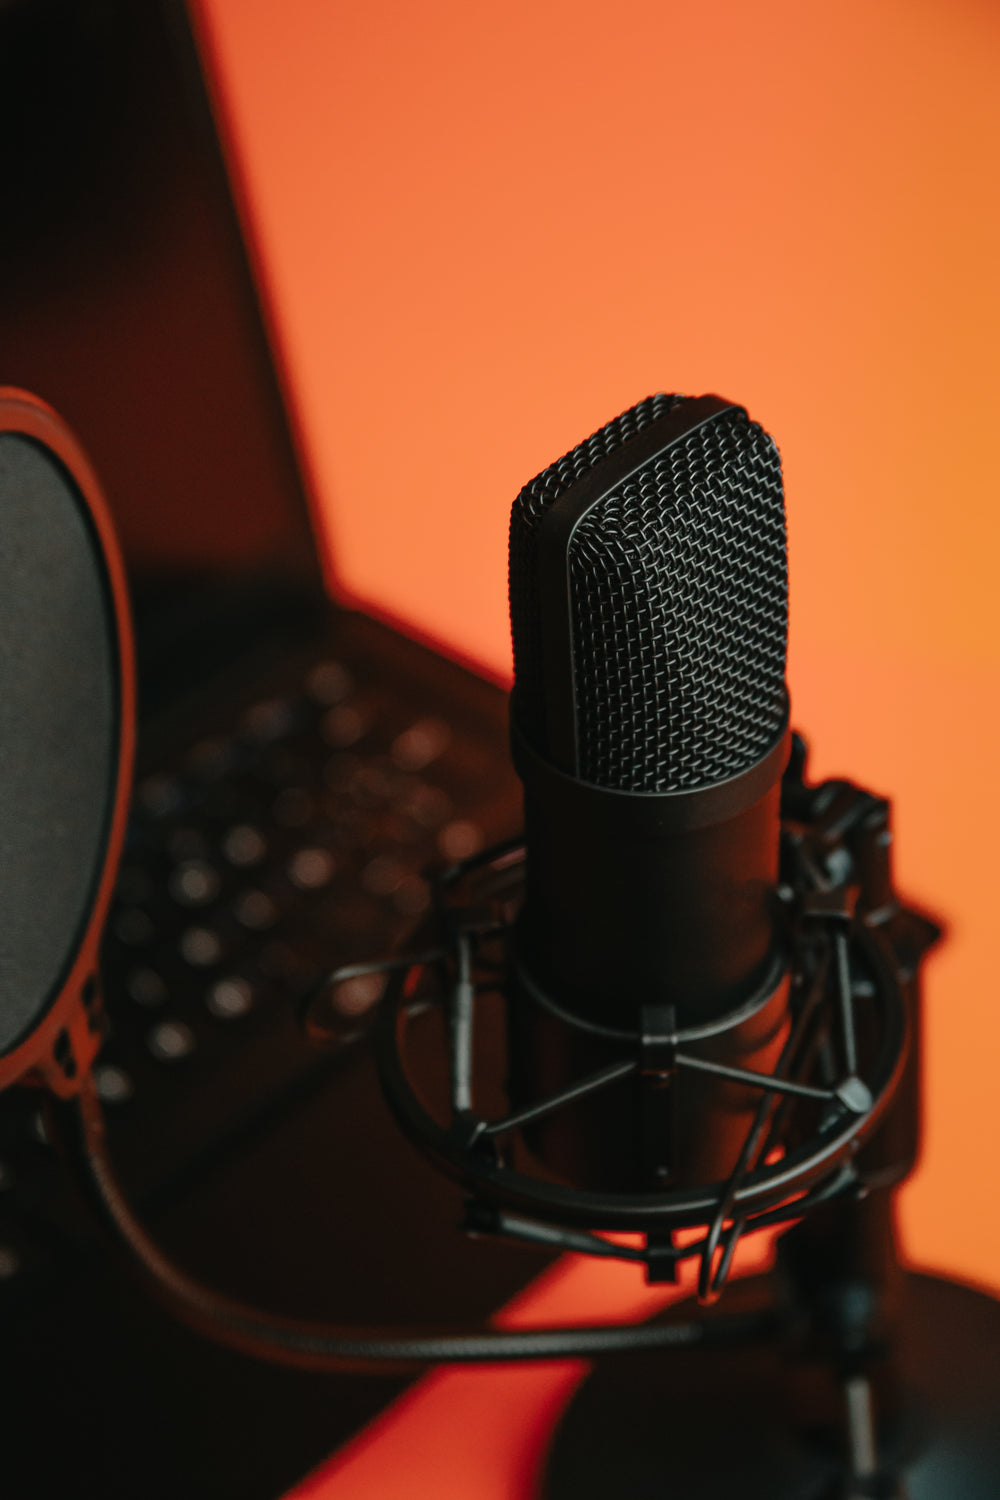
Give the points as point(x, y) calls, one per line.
point(649, 725)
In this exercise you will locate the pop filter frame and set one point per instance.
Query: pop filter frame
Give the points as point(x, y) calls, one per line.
point(57, 1032)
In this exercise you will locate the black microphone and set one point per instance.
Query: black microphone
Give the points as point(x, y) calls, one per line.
point(649, 723)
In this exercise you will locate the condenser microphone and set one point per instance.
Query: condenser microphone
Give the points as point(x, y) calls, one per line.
point(649, 723)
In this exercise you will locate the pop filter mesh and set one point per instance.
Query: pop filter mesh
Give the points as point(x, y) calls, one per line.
point(679, 605)
point(59, 747)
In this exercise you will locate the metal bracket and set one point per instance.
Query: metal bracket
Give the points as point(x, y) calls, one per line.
point(658, 1094)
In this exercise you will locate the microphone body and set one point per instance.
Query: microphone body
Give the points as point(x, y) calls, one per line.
point(649, 727)
point(634, 899)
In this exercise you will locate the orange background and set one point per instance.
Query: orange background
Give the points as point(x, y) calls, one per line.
point(484, 230)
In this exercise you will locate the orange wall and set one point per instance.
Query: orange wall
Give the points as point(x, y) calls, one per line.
point(484, 230)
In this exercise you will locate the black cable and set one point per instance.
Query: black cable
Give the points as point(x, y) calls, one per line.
point(317, 1346)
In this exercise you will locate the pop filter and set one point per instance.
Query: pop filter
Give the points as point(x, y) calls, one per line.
point(66, 685)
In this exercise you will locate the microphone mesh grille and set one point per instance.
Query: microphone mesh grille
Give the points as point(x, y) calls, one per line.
point(679, 593)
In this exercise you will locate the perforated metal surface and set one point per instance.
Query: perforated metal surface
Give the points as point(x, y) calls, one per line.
point(679, 602)
point(59, 751)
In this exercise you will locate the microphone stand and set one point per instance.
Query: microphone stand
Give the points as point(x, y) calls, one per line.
point(880, 1384)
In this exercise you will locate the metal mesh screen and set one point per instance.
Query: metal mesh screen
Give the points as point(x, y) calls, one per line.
point(528, 509)
point(679, 589)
